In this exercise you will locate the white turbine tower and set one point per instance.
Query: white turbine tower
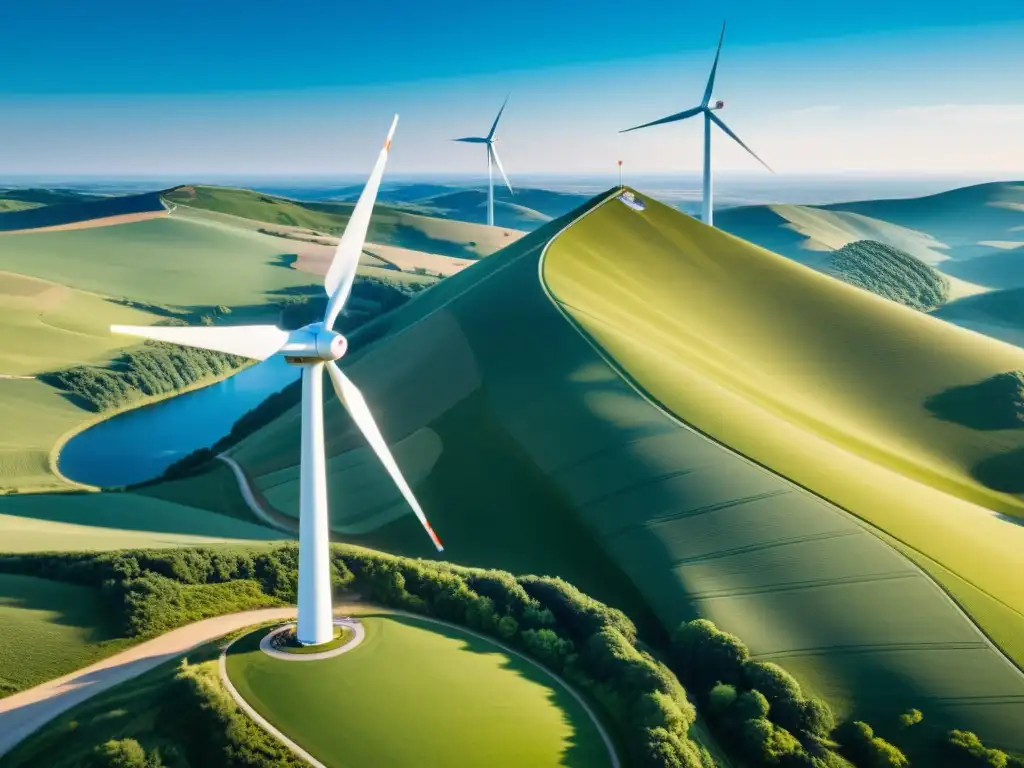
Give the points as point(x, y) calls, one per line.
point(707, 109)
point(492, 160)
point(312, 348)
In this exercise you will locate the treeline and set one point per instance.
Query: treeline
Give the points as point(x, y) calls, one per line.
point(890, 272)
point(593, 645)
point(757, 710)
point(157, 368)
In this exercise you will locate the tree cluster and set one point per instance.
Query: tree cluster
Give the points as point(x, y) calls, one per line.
point(891, 273)
point(757, 706)
point(156, 368)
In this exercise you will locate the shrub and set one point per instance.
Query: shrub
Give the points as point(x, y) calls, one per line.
point(705, 654)
point(964, 749)
point(866, 750)
point(124, 753)
point(721, 697)
point(911, 717)
point(751, 705)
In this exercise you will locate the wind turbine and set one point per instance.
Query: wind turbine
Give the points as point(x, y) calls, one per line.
point(312, 348)
point(492, 160)
point(707, 109)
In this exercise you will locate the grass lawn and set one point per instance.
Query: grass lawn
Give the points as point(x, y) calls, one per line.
point(455, 700)
point(48, 629)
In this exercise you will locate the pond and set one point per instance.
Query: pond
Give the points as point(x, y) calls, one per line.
point(140, 444)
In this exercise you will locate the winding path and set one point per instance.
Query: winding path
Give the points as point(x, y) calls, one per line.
point(25, 712)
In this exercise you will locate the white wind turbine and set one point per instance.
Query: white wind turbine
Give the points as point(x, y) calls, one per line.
point(492, 160)
point(707, 109)
point(312, 348)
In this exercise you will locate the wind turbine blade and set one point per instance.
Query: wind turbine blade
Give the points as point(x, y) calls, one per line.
point(737, 139)
point(497, 162)
point(494, 125)
point(472, 139)
point(669, 119)
point(342, 271)
point(355, 404)
point(714, 70)
point(256, 341)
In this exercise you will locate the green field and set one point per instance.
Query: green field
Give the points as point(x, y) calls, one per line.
point(47, 326)
point(48, 629)
point(166, 261)
point(389, 226)
point(103, 521)
point(550, 461)
point(454, 698)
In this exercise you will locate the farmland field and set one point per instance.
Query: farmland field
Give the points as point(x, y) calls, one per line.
point(456, 700)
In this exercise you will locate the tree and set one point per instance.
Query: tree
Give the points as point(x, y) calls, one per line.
point(751, 705)
point(911, 717)
point(721, 698)
point(123, 753)
point(507, 627)
point(964, 750)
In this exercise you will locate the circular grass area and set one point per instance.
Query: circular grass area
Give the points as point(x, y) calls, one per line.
point(416, 693)
point(288, 642)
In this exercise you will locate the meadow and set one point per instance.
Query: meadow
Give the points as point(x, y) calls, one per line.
point(482, 701)
point(48, 629)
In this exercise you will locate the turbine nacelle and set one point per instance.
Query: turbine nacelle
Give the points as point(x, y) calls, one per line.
point(717, 105)
point(314, 344)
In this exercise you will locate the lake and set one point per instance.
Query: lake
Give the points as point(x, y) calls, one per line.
point(140, 444)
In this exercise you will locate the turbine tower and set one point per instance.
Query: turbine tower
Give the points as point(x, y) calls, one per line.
point(492, 160)
point(707, 109)
point(312, 348)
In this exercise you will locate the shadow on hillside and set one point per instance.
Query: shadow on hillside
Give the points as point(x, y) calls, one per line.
point(575, 754)
point(992, 404)
point(1003, 473)
point(67, 605)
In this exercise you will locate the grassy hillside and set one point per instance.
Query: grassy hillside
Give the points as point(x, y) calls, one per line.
point(541, 456)
point(61, 212)
point(959, 225)
point(482, 701)
point(165, 261)
point(389, 226)
point(890, 273)
point(102, 521)
point(48, 629)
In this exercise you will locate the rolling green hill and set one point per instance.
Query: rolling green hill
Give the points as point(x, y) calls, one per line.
point(646, 419)
point(60, 212)
point(389, 226)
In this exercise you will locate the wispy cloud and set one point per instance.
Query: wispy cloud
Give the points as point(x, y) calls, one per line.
point(815, 111)
point(987, 114)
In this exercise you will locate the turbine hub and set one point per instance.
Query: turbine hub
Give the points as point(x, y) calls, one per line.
point(314, 344)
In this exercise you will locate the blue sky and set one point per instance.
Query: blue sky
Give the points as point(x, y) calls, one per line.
point(897, 86)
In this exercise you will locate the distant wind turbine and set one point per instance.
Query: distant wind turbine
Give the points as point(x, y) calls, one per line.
point(707, 109)
point(492, 160)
